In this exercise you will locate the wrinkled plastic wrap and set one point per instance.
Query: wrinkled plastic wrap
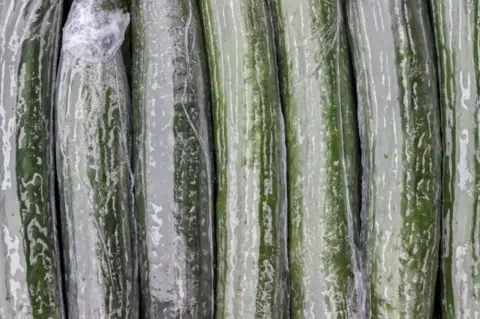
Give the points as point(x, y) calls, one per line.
point(251, 213)
point(322, 151)
point(93, 34)
point(401, 150)
point(94, 166)
point(29, 255)
point(173, 160)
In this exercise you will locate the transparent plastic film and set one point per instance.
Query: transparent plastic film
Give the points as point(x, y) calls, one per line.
point(95, 179)
point(30, 260)
point(323, 193)
point(172, 140)
point(92, 33)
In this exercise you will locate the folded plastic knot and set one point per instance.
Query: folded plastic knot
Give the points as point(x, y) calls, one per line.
point(93, 34)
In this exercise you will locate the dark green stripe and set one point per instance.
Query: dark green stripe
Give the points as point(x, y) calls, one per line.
point(476, 132)
point(220, 104)
point(447, 105)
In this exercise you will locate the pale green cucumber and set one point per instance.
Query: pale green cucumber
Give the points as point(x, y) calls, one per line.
point(174, 193)
point(251, 161)
point(399, 122)
point(29, 254)
point(456, 25)
point(322, 147)
point(94, 166)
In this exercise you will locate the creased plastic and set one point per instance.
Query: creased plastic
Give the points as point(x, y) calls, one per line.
point(173, 160)
point(92, 33)
point(96, 185)
point(30, 263)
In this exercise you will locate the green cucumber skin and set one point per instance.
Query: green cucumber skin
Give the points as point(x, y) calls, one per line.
point(96, 185)
point(30, 268)
point(399, 123)
point(318, 104)
point(251, 211)
point(173, 165)
point(456, 26)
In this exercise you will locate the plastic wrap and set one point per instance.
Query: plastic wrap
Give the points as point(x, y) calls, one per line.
point(456, 24)
point(94, 167)
point(173, 160)
point(251, 213)
point(399, 123)
point(320, 114)
point(93, 34)
point(29, 255)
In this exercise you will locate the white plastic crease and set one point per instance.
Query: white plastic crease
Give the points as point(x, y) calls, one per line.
point(94, 34)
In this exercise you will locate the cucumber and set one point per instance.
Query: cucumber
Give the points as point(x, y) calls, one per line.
point(93, 159)
point(323, 190)
point(249, 137)
point(399, 122)
point(29, 267)
point(173, 163)
point(457, 37)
